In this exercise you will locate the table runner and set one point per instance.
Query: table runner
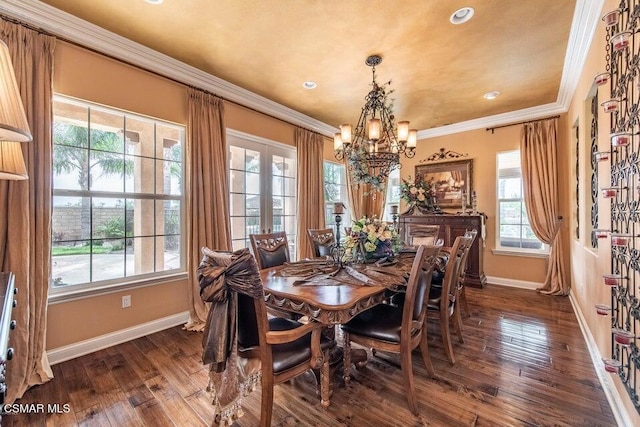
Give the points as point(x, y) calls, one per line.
point(389, 273)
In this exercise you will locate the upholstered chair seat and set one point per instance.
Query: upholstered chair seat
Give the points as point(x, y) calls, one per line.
point(285, 356)
point(382, 322)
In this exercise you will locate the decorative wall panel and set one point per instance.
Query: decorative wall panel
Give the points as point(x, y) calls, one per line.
point(623, 64)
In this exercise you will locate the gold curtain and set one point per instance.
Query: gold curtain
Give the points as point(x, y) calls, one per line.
point(25, 211)
point(208, 191)
point(538, 150)
point(309, 147)
point(363, 200)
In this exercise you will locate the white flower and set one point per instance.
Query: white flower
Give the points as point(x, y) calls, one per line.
point(421, 197)
point(369, 247)
point(413, 190)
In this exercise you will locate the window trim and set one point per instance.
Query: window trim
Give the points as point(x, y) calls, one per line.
point(101, 287)
point(506, 250)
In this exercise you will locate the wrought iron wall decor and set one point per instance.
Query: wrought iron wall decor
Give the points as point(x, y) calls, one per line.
point(443, 154)
point(594, 169)
point(623, 69)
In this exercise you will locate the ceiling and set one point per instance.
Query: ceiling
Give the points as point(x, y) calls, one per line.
point(438, 71)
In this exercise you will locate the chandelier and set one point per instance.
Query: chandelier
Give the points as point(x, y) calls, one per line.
point(373, 148)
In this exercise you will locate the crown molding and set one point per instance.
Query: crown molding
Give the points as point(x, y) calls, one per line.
point(531, 113)
point(55, 21)
point(84, 33)
point(583, 27)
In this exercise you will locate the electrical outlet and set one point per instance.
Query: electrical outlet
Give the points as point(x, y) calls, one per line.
point(126, 301)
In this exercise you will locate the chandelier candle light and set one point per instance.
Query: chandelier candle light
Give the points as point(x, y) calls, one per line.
point(373, 149)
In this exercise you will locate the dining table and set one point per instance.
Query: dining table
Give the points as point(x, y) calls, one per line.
point(332, 293)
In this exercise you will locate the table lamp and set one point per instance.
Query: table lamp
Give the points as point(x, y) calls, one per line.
point(14, 127)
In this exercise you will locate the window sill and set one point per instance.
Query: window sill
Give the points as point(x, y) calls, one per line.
point(62, 296)
point(511, 252)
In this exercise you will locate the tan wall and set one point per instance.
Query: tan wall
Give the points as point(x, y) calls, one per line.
point(588, 265)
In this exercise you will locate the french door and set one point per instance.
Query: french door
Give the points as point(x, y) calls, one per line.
point(262, 180)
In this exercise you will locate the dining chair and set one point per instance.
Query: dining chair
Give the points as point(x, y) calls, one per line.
point(397, 329)
point(286, 348)
point(270, 249)
point(442, 300)
point(322, 240)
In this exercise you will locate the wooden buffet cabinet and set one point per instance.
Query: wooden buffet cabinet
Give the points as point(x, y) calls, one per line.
point(452, 226)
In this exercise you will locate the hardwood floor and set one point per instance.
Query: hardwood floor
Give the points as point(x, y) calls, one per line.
point(524, 363)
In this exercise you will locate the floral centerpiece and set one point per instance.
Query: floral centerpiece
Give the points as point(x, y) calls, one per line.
point(419, 195)
point(371, 238)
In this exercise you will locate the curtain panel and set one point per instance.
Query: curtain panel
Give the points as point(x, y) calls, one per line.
point(364, 200)
point(538, 151)
point(309, 147)
point(25, 210)
point(208, 191)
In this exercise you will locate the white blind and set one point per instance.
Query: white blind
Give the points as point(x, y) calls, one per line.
point(509, 164)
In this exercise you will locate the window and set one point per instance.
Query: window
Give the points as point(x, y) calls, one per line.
point(117, 197)
point(514, 231)
point(335, 190)
point(262, 179)
point(393, 194)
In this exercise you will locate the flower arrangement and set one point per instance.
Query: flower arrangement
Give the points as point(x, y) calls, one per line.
point(371, 238)
point(418, 193)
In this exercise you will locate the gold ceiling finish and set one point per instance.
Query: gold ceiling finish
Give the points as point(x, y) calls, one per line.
point(439, 71)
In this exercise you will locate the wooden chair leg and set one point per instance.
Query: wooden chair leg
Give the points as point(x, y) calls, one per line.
point(346, 358)
point(446, 336)
point(267, 401)
point(426, 357)
point(407, 373)
point(457, 322)
point(463, 301)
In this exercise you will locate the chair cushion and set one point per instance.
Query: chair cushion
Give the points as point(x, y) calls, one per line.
point(289, 355)
point(382, 322)
point(273, 258)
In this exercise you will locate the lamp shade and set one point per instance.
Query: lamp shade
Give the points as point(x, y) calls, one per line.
point(11, 161)
point(13, 121)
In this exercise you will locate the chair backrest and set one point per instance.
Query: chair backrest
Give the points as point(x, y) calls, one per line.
point(418, 286)
point(421, 234)
point(270, 249)
point(322, 241)
point(465, 256)
point(452, 272)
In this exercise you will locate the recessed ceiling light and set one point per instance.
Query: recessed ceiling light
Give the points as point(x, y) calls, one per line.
point(309, 85)
point(154, 1)
point(491, 95)
point(462, 15)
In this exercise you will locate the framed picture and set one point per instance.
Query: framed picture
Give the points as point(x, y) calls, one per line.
point(449, 180)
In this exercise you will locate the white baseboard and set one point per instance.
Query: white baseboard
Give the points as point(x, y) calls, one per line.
point(71, 351)
point(514, 283)
point(615, 401)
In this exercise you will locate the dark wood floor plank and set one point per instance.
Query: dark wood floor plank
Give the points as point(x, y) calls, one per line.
point(152, 414)
point(523, 363)
point(175, 406)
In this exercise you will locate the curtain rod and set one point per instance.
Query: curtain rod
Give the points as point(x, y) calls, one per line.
point(155, 73)
point(521, 123)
